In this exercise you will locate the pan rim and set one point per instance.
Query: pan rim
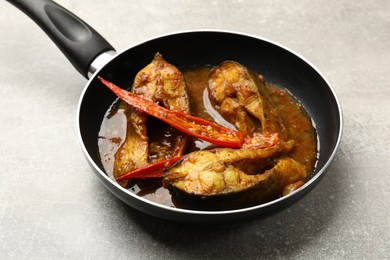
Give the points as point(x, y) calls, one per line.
point(310, 183)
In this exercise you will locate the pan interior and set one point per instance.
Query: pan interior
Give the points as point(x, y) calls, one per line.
point(278, 65)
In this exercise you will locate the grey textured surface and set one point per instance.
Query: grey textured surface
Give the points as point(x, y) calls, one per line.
point(53, 207)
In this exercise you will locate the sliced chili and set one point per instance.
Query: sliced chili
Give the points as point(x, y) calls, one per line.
point(191, 125)
point(154, 170)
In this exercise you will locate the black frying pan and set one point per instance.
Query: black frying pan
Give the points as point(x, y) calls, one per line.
point(92, 55)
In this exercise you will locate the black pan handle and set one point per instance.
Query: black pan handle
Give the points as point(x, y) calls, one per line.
point(80, 43)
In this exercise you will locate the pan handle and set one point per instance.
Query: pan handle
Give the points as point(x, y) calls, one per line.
point(80, 43)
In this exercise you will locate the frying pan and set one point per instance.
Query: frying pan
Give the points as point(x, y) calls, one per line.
point(92, 55)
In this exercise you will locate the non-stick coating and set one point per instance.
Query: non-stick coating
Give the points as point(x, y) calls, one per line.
point(187, 49)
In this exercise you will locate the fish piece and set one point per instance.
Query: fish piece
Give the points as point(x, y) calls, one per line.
point(133, 152)
point(156, 170)
point(161, 83)
point(224, 178)
point(242, 98)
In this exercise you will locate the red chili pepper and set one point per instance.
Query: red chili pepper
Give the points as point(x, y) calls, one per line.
point(154, 170)
point(186, 123)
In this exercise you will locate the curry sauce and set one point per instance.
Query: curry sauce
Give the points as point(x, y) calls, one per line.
point(112, 134)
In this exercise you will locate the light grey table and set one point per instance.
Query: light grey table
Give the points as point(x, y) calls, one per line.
point(53, 207)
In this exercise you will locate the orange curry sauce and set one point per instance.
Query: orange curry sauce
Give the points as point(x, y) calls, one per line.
point(113, 131)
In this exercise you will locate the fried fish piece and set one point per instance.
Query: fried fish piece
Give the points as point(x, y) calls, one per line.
point(224, 178)
point(242, 98)
point(164, 84)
